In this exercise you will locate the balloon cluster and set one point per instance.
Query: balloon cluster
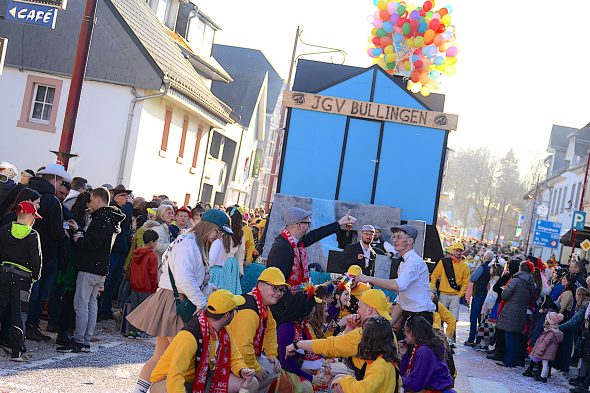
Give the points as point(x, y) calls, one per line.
point(415, 42)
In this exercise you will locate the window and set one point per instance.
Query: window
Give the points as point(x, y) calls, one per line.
point(197, 145)
point(185, 124)
point(166, 131)
point(216, 142)
point(162, 9)
point(40, 104)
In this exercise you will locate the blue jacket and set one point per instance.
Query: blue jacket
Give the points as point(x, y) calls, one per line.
point(123, 240)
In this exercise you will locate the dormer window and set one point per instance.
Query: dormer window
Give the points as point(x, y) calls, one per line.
point(165, 10)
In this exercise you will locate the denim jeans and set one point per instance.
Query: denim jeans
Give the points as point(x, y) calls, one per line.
point(86, 305)
point(115, 274)
point(41, 289)
point(476, 306)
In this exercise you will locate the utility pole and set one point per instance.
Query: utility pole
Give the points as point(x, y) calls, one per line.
point(280, 131)
point(533, 214)
point(501, 219)
point(79, 69)
point(581, 203)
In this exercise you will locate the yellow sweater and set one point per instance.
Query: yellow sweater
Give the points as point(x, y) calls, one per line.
point(379, 378)
point(177, 364)
point(461, 277)
point(444, 315)
point(248, 242)
point(244, 325)
point(345, 345)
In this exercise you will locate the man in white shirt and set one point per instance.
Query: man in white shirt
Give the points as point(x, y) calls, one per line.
point(412, 284)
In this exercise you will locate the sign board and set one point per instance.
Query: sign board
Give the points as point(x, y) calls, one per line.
point(369, 110)
point(547, 233)
point(542, 210)
point(578, 220)
point(521, 218)
point(49, 3)
point(383, 267)
point(585, 245)
point(3, 46)
point(32, 14)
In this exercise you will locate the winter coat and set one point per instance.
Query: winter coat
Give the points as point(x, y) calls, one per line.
point(163, 239)
point(20, 246)
point(50, 227)
point(144, 271)
point(546, 345)
point(94, 248)
point(123, 240)
point(516, 297)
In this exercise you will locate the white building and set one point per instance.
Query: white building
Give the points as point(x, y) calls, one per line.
point(559, 194)
point(147, 116)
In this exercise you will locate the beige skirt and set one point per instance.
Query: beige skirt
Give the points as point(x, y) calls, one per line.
point(157, 315)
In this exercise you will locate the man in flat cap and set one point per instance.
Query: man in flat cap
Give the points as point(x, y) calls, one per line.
point(361, 253)
point(288, 249)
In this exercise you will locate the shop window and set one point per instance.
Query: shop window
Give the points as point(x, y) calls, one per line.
point(40, 104)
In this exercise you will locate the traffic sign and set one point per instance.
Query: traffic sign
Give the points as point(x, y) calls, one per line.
point(38, 15)
point(585, 245)
point(547, 233)
point(578, 220)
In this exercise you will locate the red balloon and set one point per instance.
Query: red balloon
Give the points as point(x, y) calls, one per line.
point(416, 76)
point(414, 25)
point(377, 41)
point(418, 64)
point(435, 24)
point(427, 6)
point(401, 21)
point(384, 16)
point(386, 40)
point(422, 13)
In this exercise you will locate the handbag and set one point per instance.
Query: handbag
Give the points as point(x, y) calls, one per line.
point(184, 308)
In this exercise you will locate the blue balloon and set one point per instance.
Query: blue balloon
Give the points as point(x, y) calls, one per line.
point(438, 60)
point(449, 8)
point(398, 38)
point(414, 14)
point(388, 27)
point(377, 52)
point(415, 58)
point(422, 27)
point(434, 75)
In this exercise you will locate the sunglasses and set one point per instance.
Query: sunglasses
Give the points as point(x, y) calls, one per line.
point(275, 289)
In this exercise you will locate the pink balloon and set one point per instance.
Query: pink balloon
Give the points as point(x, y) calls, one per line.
point(377, 23)
point(452, 51)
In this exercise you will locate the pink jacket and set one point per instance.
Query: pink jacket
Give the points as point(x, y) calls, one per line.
point(546, 345)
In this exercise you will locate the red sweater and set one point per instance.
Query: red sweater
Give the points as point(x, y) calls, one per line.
point(144, 270)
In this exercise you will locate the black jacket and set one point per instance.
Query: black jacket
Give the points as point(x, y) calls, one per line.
point(25, 252)
point(50, 227)
point(123, 240)
point(281, 253)
point(94, 249)
point(350, 257)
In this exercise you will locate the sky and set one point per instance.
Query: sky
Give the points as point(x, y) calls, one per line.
point(522, 65)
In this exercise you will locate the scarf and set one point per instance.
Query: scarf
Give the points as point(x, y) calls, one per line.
point(299, 272)
point(263, 315)
point(220, 381)
point(302, 332)
point(412, 359)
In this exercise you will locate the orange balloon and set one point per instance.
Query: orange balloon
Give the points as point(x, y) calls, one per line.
point(415, 76)
point(424, 78)
point(438, 40)
point(386, 40)
point(384, 16)
point(442, 12)
point(429, 36)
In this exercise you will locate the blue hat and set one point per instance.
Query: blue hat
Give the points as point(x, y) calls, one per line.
point(218, 218)
point(408, 229)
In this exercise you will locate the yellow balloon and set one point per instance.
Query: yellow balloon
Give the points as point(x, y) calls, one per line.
point(444, 46)
point(410, 42)
point(407, 65)
point(373, 33)
point(390, 57)
point(425, 91)
point(450, 70)
point(451, 60)
point(382, 63)
point(416, 87)
point(410, 85)
point(446, 20)
point(382, 5)
point(388, 49)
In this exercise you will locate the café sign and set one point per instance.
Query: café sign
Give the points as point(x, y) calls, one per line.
point(370, 110)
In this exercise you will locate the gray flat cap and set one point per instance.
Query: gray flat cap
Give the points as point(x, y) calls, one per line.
point(408, 229)
point(293, 215)
point(368, 228)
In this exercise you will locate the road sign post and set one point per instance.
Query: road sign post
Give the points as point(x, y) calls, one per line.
point(546, 233)
point(578, 220)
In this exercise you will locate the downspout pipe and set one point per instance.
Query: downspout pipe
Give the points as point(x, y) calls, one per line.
point(136, 98)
